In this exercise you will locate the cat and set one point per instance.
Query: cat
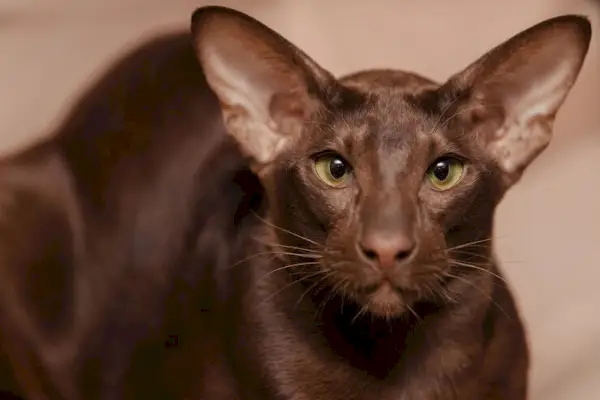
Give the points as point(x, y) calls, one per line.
point(219, 217)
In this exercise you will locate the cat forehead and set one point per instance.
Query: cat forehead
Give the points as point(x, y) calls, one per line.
point(393, 107)
point(388, 81)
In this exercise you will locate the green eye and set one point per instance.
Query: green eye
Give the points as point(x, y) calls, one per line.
point(332, 169)
point(445, 173)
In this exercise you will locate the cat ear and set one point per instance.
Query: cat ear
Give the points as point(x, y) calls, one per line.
point(517, 88)
point(266, 86)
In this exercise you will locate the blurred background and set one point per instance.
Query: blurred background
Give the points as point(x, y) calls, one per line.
point(548, 227)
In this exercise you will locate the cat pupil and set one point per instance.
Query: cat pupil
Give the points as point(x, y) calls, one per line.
point(441, 170)
point(337, 168)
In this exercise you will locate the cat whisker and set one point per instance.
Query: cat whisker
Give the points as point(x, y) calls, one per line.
point(277, 253)
point(476, 247)
point(285, 246)
point(469, 244)
point(338, 291)
point(487, 295)
point(285, 267)
point(339, 263)
point(270, 224)
point(473, 254)
point(435, 289)
point(482, 243)
point(294, 282)
point(478, 268)
point(363, 310)
point(438, 286)
point(494, 262)
point(335, 290)
point(414, 313)
point(430, 287)
point(311, 287)
point(445, 293)
point(490, 260)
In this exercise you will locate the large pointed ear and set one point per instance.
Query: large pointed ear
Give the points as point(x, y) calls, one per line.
point(266, 86)
point(512, 94)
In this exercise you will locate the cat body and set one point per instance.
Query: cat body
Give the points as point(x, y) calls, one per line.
point(220, 218)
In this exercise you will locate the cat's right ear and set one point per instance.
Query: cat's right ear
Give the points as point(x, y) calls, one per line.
point(266, 86)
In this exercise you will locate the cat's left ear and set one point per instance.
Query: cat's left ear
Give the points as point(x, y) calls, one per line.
point(512, 94)
point(266, 86)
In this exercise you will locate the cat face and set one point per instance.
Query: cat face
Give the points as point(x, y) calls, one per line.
point(387, 179)
point(388, 183)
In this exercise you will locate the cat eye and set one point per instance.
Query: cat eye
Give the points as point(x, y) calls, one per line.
point(332, 169)
point(445, 173)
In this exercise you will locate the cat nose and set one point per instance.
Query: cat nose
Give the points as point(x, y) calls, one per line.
point(386, 249)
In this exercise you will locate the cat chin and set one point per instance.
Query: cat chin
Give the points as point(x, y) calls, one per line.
point(385, 302)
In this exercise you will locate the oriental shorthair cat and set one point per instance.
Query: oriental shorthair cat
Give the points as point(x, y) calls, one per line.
point(221, 218)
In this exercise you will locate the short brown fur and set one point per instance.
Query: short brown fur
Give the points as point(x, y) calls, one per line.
point(147, 249)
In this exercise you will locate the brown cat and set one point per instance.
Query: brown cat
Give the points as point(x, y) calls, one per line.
point(250, 227)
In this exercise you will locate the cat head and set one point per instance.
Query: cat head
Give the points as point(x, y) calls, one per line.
point(387, 180)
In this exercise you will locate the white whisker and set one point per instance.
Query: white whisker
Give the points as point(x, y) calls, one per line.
point(287, 231)
point(467, 265)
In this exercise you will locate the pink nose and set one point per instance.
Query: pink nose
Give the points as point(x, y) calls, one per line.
point(386, 249)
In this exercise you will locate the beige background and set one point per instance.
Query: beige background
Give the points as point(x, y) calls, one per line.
point(548, 227)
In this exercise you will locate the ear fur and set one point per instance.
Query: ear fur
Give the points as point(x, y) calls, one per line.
point(266, 86)
point(518, 87)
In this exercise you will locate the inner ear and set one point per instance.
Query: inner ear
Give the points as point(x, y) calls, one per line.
point(266, 86)
point(511, 95)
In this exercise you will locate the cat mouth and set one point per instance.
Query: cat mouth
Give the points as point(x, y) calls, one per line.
point(383, 285)
point(384, 299)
